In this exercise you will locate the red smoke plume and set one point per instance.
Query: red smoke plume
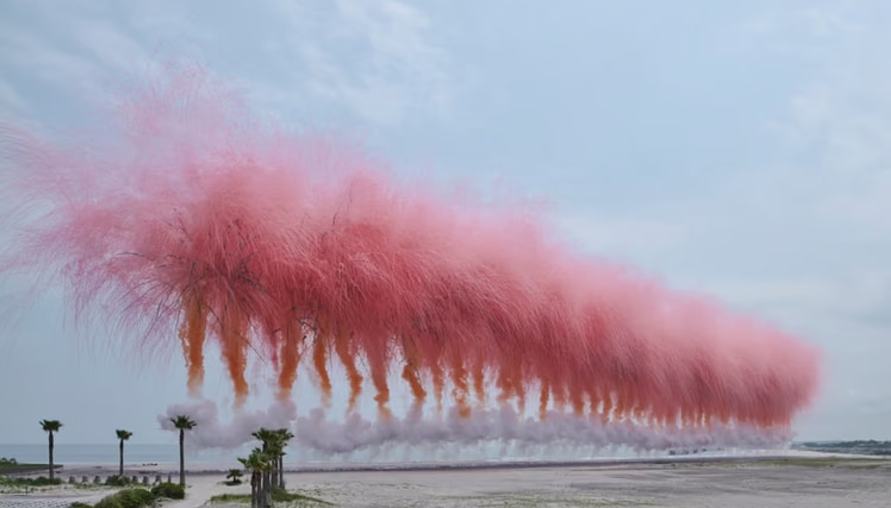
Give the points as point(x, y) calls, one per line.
point(192, 217)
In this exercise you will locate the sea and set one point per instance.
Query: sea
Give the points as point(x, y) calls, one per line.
point(107, 454)
point(167, 455)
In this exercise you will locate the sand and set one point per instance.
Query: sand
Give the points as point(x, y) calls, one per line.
point(811, 481)
point(713, 484)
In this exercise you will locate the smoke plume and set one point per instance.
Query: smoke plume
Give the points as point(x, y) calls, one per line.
point(193, 222)
point(212, 432)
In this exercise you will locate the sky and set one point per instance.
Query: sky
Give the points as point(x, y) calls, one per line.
point(738, 150)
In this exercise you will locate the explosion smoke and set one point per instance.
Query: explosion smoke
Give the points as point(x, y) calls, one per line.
point(191, 217)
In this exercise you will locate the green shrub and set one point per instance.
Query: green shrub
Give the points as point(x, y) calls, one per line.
point(135, 498)
point(230, 498)
point(8, 462)
point(117, 481)
point(40, 481)
point(111, 501)
point(171, 490)
point(281, 495)
point(127, 498)
point(78, 504)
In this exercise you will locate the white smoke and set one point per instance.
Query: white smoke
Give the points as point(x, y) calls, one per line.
point(211, 432)
point(505, 425)
point(500, 432)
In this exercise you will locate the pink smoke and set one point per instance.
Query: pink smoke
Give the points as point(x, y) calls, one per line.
point(189, 218)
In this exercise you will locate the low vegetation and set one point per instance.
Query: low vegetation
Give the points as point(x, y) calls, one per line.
point(231, 498)
point(234, 477)
point(169, 490)
point(117, 481)
point(11, 465)
point(127, 498)
point(283, 496)
point(839, 462)
point(278, 496)
point(40, 481)
point(137, 497)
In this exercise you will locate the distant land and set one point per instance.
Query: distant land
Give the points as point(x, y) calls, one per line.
point(861, 447)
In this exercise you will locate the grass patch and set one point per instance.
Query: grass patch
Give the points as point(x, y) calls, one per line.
point(828, 462)
point(278, 496)
point(169, 490)
point(40, 481)
point(283, 496)
point(127, 498)
point(231, 498)
point(117, 481)
point(12, 467)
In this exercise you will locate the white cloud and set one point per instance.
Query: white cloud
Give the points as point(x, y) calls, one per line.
point(374, 62)
point(376, 58)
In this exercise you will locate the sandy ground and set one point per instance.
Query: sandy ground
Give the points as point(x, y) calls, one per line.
point(817, 481)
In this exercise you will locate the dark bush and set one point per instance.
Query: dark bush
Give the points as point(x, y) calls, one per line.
point(135, 498)
point(40, 481)
point(281, 495)
point(171, 490)
point(111, 501)
point(117, 481)
point(127, 498)
point(78, 504)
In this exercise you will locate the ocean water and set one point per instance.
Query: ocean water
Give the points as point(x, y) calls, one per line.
point(861, 447)
point(107, 454)
point(166, 456)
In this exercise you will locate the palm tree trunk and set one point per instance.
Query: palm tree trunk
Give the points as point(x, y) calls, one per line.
point(281, 471)
point(51, 468)
point(253, 489)
point(258, 500)
point(182, 458)
point(267, 491)
point(121, 464)
point(259, 489)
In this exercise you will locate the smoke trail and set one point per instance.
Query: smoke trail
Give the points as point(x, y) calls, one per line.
point(211, 432)
point(452, 432)
point(506, 425)
point(189, 216)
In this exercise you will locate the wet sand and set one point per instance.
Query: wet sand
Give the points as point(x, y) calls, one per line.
point(783, 482)
point(812, 481)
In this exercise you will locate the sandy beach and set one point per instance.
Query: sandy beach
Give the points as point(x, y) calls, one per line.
point(812, 480)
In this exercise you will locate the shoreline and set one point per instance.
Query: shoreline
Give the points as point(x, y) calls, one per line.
point(65, 470)
point(818, 480)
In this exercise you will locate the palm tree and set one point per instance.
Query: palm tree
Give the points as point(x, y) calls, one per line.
point(234, 476)
point(183, 423)
point(123, 435)
point(249, 465)
point(258, 464)
point(269, 439)
point(51, 426)
point(284, 435)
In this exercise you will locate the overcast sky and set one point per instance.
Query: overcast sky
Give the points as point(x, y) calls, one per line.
point(737, 149)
